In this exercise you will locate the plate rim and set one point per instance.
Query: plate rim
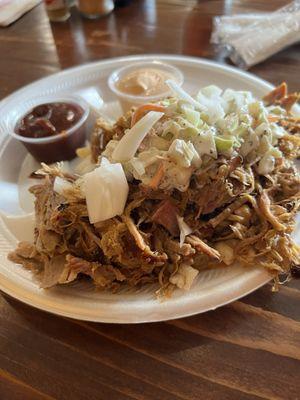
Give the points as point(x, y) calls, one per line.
point(149, 318)
point(121, 59)
point(261, 276)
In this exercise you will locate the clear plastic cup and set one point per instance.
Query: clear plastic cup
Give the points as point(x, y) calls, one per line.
point(129, 100)
point(57, 147)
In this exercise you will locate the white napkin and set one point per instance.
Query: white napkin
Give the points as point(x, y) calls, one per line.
point(252, 38)
point(11, 10)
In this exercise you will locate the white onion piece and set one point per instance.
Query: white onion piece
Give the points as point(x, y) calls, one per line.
point(184, 229)
point(130, 142)
point(60, 185)
point(183, 95)
point(106, 191)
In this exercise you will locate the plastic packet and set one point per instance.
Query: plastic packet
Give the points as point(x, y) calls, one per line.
point(249, 43)
point(227, 27)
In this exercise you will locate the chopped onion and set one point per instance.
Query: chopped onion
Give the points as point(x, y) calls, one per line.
point(106, 191)
point(184, 229)
point(60, 185)
point(183, 95)
point(130, 142)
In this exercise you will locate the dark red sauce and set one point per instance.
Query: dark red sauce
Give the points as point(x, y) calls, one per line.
point(49, 119)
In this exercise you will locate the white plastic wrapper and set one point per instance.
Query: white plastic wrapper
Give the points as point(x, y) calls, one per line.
point(251, 39)
point(228, 27)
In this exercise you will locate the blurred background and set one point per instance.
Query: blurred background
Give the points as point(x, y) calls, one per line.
point(34, 45)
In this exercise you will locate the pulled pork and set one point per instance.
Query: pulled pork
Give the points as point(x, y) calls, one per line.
point(234, 214)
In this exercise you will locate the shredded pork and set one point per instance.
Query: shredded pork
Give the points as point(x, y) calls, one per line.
point(234, 214)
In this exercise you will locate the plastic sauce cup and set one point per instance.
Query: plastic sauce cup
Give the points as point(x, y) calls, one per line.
point(129, 100)
point(57, 147)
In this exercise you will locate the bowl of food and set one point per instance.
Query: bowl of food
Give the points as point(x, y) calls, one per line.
point(51, 128)
point(143, 82)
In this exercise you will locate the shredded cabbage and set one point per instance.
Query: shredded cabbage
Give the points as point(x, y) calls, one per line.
point(176, 177)
point(214, 106)
point(128, 145)
point(250, 142)
point(138, 166)
point(235, 101)
point(191, 115)
point(205, 143)
point(266, 164)
point(183, 153)
point(159, 142)
point(213, 122)
point(224, 144)
point(229, 124)
point(277, 132)
point(149, 157)
point(181, 94)
point(211, 91)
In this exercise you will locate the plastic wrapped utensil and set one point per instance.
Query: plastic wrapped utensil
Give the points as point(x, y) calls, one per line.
point(228, 27)
point(251, 42)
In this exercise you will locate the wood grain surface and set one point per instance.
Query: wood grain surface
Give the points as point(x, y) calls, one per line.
point(248, 350)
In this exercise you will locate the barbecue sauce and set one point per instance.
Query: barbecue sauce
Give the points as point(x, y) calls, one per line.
point(49, 120)
point(47, 133)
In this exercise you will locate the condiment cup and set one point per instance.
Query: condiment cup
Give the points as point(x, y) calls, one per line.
point(129, 100)
point(57, 147)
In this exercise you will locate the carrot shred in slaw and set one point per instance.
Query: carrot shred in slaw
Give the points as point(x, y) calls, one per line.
point(137, 115)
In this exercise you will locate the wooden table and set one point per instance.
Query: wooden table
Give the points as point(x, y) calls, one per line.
point(245, 351)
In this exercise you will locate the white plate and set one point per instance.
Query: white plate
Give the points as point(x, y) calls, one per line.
point(212, 289)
